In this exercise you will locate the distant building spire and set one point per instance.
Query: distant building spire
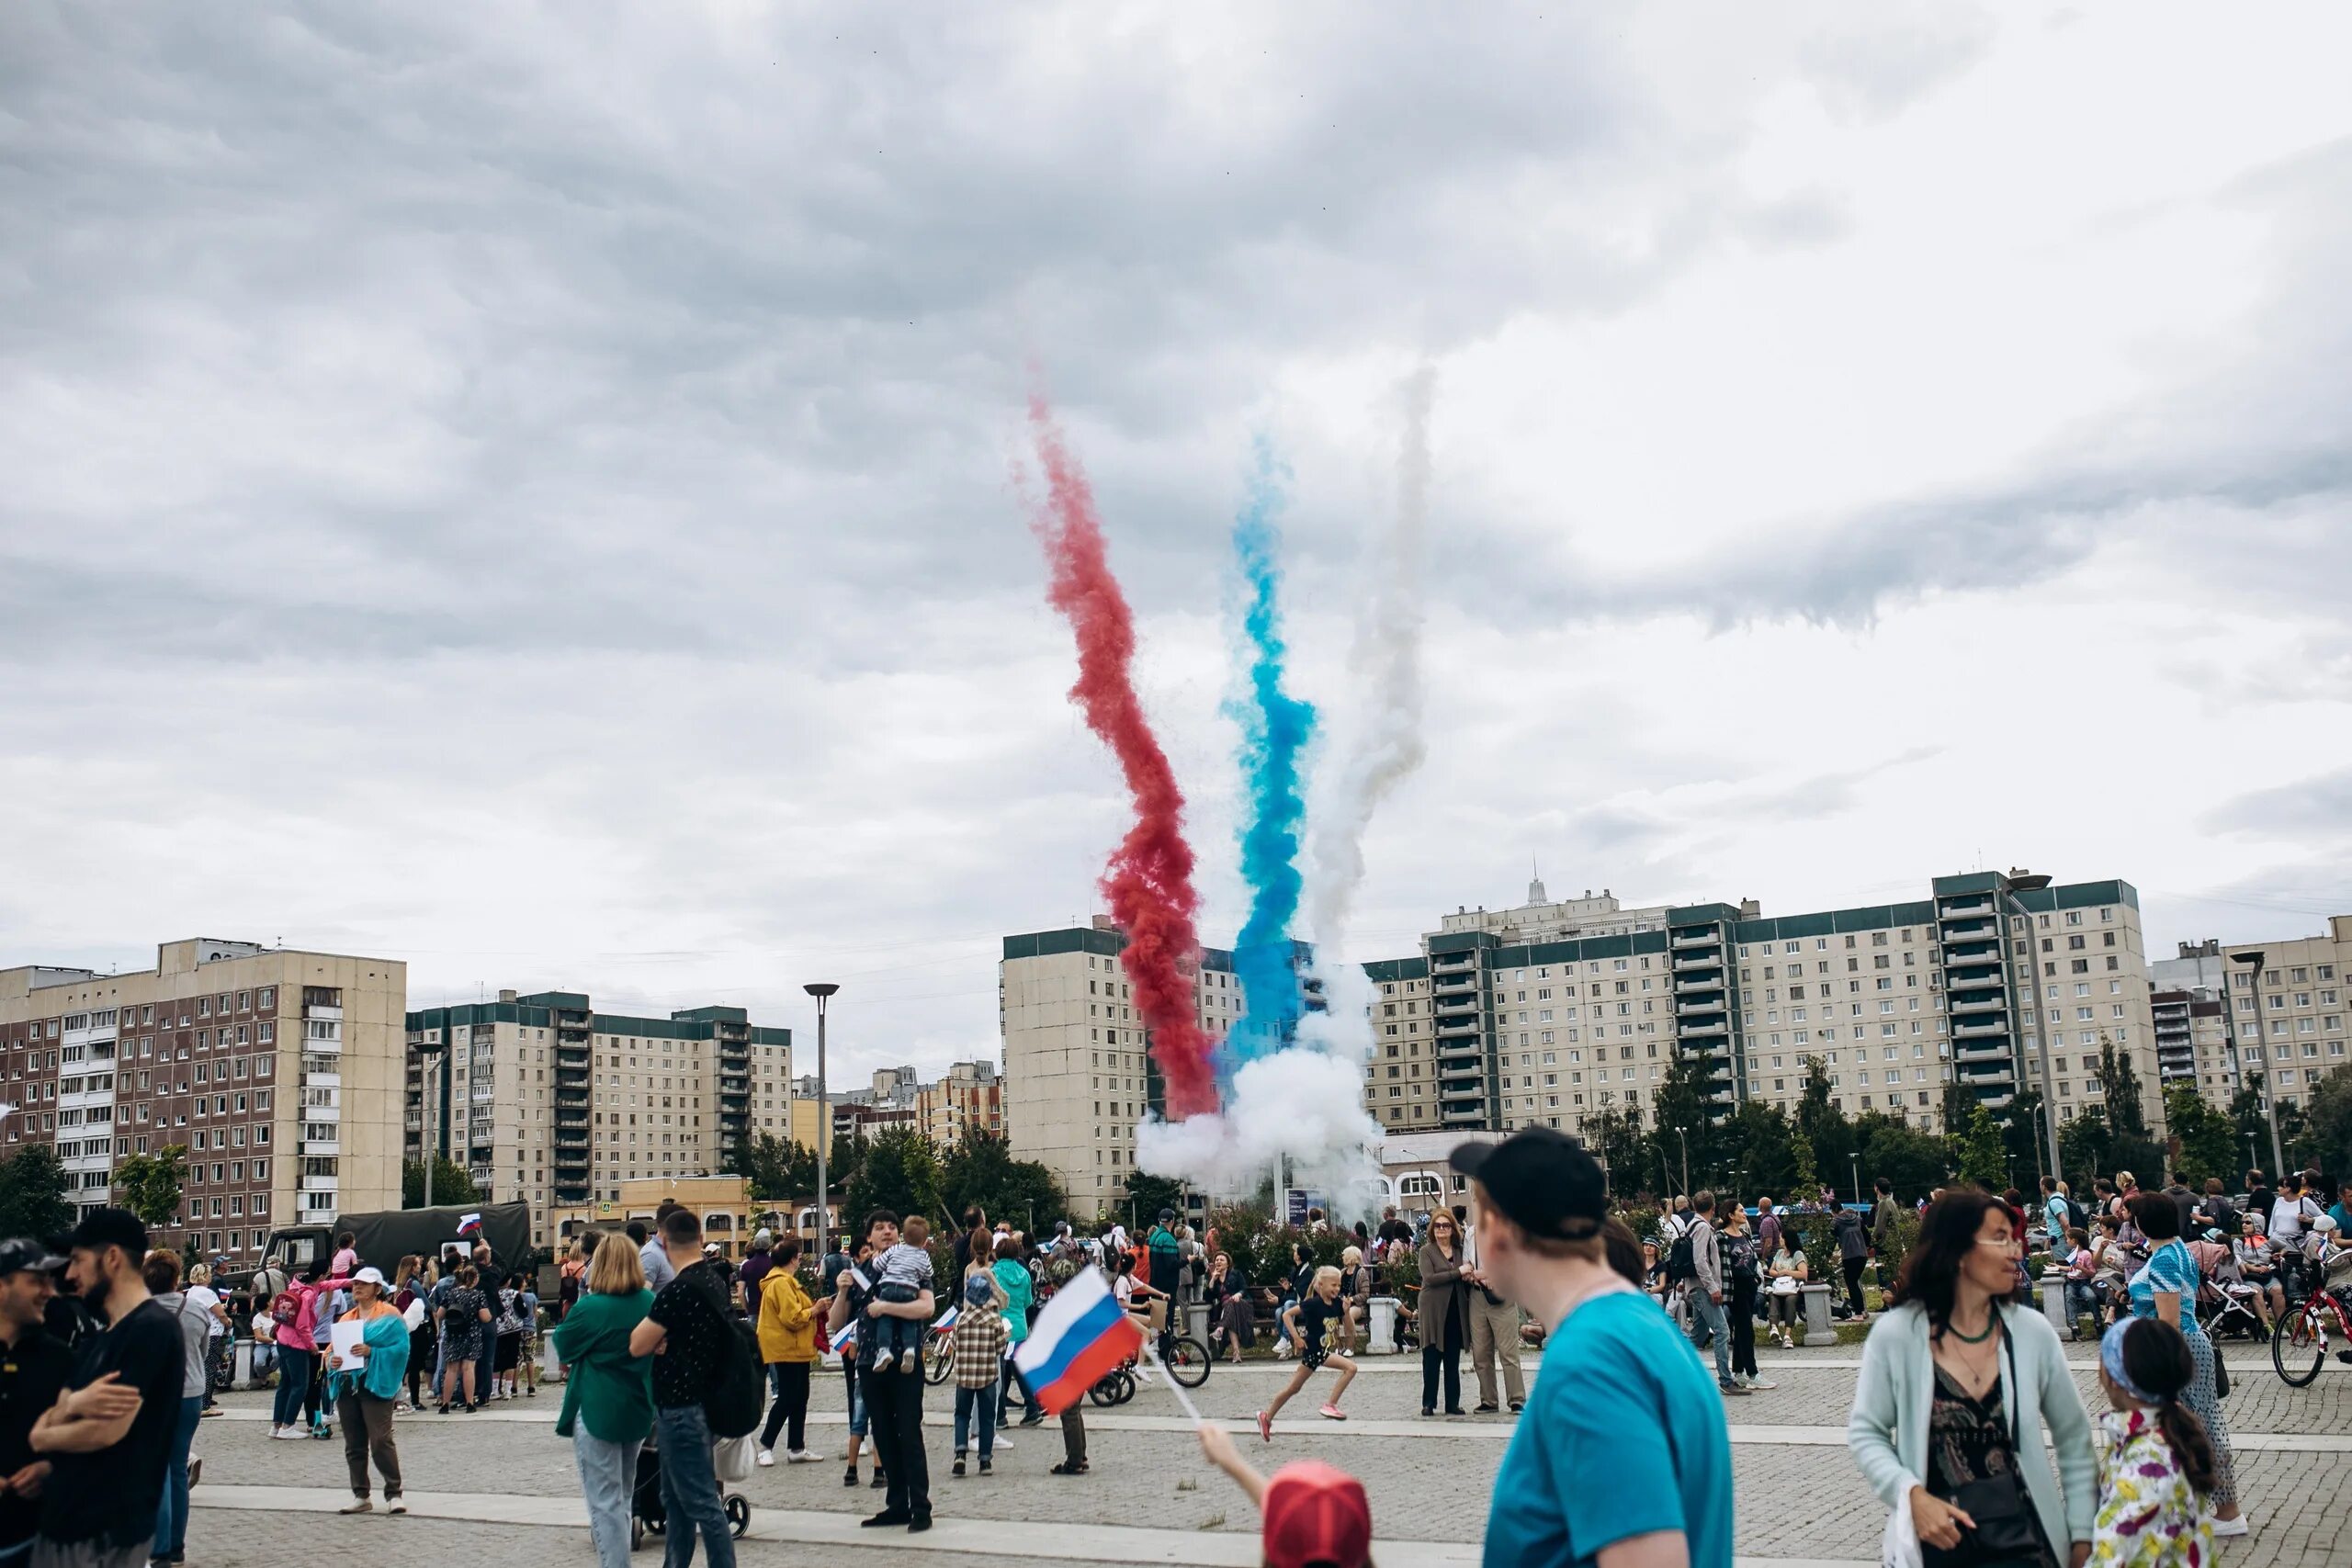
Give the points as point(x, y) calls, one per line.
point(1535, 883)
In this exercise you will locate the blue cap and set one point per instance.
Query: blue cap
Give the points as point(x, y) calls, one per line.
point(980, 1289)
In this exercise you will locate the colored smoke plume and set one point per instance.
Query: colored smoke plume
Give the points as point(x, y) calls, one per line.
point(1275, 731)
point(1387, 745)
point(1150, 878)
point(1302, 1103)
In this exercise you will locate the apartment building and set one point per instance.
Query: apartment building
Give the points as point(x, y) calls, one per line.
point(276, 1069)
point(968, 1098)
point(2289, 1018)
point(2188, 1002)
point(1077, 1078)
point(543, 1097)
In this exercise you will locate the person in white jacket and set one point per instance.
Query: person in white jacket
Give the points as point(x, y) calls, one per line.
point(1957, 1391)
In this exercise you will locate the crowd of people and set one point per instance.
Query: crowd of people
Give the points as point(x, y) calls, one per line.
point(1966, 1422)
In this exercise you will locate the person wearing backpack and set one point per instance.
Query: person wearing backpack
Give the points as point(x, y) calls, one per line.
point(689, 1332)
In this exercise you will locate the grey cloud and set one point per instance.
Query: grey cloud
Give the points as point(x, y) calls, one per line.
point(2318, 809)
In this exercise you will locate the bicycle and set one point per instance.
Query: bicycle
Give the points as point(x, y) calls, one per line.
point(2300, 1339)
point(1185, 1359)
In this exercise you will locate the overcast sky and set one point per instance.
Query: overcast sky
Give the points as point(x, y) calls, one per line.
point(526, 490)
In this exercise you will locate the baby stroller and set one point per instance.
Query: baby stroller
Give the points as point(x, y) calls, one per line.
point(647, 1511)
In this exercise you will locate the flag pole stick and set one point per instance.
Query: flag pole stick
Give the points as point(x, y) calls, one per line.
point(1151, 1354)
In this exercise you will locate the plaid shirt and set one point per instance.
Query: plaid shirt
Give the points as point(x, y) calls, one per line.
point(979, 1339)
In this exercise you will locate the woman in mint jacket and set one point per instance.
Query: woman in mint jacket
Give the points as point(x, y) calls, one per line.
point(607, 1393)
point(1957, 1391)
point(364, 1396)
point(1013, 1279)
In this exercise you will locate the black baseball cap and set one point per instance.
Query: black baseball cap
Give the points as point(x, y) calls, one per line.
point(21, 1253)
point(112, 1227)
point(1540, 1180)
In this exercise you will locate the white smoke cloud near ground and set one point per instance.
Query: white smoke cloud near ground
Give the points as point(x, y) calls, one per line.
point(1306, 1100)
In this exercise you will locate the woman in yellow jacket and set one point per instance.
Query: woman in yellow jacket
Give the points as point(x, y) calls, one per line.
point(788, 1346)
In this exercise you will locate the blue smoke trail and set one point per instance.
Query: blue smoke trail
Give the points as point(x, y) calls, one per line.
point(1275, 730)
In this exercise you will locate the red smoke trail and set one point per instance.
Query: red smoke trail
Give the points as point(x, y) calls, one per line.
point(1150, 878)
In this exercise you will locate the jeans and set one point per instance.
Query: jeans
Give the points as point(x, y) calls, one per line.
point(968, 1402)
point(690, 1489)
point(1006, 1388)
point(170, 1513)
point(295, 1366)
point(789, 1413)
point(1442, 1354)
point(2082, 1297)
point(1741, 1325)
point(608, 1480)
point(367, 1429)
point(1707, 1322)
point(894, 1405)
point(1854, 1285)
point(857, 1414)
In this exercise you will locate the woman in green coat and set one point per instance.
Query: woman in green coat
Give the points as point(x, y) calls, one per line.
point(607, 1393)
point(1013, 1276)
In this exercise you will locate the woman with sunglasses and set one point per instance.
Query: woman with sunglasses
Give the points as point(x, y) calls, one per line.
point(1445, 1313)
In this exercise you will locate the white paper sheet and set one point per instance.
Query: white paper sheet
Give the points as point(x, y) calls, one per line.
point(341, 1337)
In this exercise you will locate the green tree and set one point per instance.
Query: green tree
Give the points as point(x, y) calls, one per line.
point(2204, 1143)
point(150, 1184)
point(1618, 1142)
point(2120, 1086)
point(767, 1161)
point(32, 1194)
point(899, 1171)
point(1763, 1150)
point(2084, 1143)
point(2327, 1128)
point(1685, 1109)
point(981, 1170)
point(1958, 1101)
point(1146, 1196)
point(1983, 1157)
point(1915, 1162)
point(1805, 1179)
point(2021, 1134)
point(1826, 1130)
point(452, 1184)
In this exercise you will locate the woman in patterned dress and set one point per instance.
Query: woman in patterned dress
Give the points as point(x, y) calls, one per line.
point(2163, 1288)
point(2155, 1461)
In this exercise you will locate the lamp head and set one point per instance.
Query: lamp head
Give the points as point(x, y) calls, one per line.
point(821, 989)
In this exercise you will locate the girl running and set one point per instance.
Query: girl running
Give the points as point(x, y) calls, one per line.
point(1309, 1324)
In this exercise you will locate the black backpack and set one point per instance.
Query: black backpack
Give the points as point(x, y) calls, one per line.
point(738, 1395)
point(1681, 1262)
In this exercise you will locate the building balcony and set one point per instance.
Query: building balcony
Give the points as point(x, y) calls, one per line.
point(1976, 1030)
point(1994, 1101)
point(1463, 984)
point(322, 1080)
point(1996, 1050)
point(1980, 930)
point(318, 1145)
point(325, 1014)
point(1706, 1030)
point(1974, 983)
point(1712, 980)
point(573, 1141)
point(413, 1123)
point(1697, 939)
point(1694, 1010)
point(1456, 1006)
point(1463, 1115)
point(1970, 910)
point(1697, 961)
point(1975, 1005)
point(1464, 1028)
point(320, 1183)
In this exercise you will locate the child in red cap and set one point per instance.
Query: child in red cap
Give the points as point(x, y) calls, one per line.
point(1316, 1517)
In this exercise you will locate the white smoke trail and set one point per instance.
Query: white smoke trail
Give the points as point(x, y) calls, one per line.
point(1387, 746)
point(1306, 1102)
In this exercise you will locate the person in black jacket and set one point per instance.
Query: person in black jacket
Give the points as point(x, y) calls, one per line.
point(34, 1368)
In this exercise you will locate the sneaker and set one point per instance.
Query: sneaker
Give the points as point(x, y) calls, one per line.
point(1755, 1383)
point(1265, 1426)
point(1517, 1405)
point(1035, 1418)
point(361, 1506)
point(957, 1468)
point(194, 1470)
point(850, 1479)
point(293, 1434)
point(1488, 1409)
point(910, 1361)
point(212, 1410)
point(798, 1456)
point(881, 1482)
point(2225, 1527)
point(1001, 1442)
point(394, 1505)
point(1732, 1389)
point(986, 1466)
point(766, 1458)
point(1332, 1413)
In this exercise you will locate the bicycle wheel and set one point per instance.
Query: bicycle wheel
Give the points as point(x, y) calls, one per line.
point(941, 1361)
point(1105, 1392)
point(1127, 1387)
point(2296, 1347)
point(1188, 1362)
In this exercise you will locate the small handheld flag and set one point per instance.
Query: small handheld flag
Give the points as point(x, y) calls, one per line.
point(469, 1223)
point(848, 1337)
point(1079, 1337)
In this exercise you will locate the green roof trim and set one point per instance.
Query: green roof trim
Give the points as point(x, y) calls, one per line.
point(1459, 941)
point(1577, 952)
point(687, 1026)
point(576, 1001)
point(1381, 969)
point(1087, 939)
point(1830, 922)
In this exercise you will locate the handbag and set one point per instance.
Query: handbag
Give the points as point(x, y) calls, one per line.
point(2007, 1525)
point(2220, 1370)
point(733, 1458)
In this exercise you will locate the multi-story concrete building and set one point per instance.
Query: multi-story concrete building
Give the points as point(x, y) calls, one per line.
point(277, 1070)
point(2290, 1022)
point(2188, 1002)
point(1077, 1078)
point(1549, 1014)
point(968, 1098)
point(543, 1097)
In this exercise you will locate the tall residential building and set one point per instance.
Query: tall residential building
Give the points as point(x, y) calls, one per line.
point(543, 1097)
point(1897, 1000)
point(2291, 1020)
point(2196, 1042)
point(1076, 1077)
point(277, 1070)
point(968, 1098)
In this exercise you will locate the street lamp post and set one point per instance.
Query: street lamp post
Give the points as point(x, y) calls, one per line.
point(1684, 1133)
point(2252, 961)
point(1857, 1175)
point(823, 991)
point(2041, 1009)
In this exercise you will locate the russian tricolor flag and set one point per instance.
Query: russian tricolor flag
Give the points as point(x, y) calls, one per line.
point(1079, 1337)
point(846, 1338)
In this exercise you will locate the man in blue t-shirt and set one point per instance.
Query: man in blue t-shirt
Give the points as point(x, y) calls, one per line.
point(1621, 1459)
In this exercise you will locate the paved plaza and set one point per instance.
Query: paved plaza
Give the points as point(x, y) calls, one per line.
point(500, 1484)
